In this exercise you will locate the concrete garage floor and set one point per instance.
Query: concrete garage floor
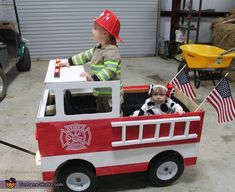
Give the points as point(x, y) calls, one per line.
point(215, 169)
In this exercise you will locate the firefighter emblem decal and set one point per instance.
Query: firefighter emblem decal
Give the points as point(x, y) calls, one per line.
point(75, 137)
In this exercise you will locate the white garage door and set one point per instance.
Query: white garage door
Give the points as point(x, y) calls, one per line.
point(61, 28)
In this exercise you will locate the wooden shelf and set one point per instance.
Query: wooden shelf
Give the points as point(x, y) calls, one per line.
point(186, 28)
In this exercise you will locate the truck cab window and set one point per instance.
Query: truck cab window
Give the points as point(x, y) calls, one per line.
point(79, 102)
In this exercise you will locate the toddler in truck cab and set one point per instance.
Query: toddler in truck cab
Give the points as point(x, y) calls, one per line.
point(159, 102)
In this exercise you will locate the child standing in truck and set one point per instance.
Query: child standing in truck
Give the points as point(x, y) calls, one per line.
point(105, 58)
point(159, 103)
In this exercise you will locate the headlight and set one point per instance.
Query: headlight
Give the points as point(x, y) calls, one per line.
point(38, 158)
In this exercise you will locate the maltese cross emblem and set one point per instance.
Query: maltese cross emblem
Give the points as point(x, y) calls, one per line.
point(75, 137)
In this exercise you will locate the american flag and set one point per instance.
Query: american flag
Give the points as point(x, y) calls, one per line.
point(221, 99)
point(181, 81)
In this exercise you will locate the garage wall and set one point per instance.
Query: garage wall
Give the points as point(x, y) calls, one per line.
point(60, 28)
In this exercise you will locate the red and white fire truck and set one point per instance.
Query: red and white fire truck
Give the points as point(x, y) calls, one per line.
point(77, 143)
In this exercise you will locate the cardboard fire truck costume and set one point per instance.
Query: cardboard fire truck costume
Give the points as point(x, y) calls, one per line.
point(77, 143)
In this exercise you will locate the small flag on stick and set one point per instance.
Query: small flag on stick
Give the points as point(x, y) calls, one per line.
point(221, 99)
point(181, 81)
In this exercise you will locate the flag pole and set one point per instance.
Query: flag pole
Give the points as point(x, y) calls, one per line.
point(177, 73)
point(210, 92)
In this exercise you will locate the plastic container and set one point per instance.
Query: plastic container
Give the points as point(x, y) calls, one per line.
point(199, 56)
point(179, 36)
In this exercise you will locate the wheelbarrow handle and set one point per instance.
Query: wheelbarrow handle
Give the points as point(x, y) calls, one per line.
point(227, 51)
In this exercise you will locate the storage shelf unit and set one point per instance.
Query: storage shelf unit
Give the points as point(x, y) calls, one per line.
point(179, 13)
point(181, 18)
point(203, 13)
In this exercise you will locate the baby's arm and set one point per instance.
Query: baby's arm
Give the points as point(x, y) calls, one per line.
point(179, 109)
point(175, 107)
point(146, 108)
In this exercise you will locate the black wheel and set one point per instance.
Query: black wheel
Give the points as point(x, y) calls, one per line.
point(165, 170)
point(217, 77)
point(197, 80)
point(77, 178)
point(3, 85)
point(25, 63)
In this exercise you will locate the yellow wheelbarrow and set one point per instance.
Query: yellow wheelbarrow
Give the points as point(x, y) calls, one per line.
point(207, 62)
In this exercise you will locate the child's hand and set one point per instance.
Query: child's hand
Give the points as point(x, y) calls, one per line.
point(87, 75)
point(64, 64)
point(180, 112)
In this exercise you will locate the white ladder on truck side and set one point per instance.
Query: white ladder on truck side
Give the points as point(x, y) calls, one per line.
point(156, 138)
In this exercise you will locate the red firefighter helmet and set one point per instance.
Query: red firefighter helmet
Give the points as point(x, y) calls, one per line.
point(110, 22)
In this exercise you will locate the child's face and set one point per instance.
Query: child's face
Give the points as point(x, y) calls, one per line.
point(159, 96)
point(98, 33)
